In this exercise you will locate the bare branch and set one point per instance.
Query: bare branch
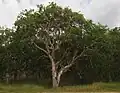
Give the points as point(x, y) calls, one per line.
point(64, 69)
point(41, 48)
point(81, 54)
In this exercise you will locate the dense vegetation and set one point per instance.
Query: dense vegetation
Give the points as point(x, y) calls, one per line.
point(57, 46)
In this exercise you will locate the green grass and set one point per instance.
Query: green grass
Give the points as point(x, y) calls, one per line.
point(32, 88)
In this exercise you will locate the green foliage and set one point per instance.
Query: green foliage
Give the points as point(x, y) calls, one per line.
point(70, 35)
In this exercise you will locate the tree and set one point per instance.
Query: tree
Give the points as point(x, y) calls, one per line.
point(56, 32)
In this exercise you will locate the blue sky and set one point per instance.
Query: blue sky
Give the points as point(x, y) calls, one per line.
point(103, 11)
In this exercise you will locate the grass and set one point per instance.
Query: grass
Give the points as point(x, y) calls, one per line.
point(32, 88)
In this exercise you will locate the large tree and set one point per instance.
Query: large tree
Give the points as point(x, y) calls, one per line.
point(62, 35)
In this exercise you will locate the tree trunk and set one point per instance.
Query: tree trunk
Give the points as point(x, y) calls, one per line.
point(55, 83)
point(54, 75)
point(59, 77)
point(7, 78)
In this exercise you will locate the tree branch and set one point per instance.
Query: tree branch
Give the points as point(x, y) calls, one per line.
point(41, 48)
point(62, 57)
point(64, 69)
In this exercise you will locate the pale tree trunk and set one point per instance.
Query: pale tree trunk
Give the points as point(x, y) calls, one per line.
point(54, 75)
point(54, 79)
point(54, 70)
point(59, 77)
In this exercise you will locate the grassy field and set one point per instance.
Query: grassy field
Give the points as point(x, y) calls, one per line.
point(29, 88)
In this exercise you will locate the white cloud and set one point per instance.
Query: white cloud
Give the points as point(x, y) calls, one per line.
point(76, 5)
point(103, 11)
point(9, 9)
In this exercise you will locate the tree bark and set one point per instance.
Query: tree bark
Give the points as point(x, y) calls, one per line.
point(59, 77)
point(54, 75)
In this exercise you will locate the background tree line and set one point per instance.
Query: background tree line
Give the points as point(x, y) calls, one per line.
point(57, 46)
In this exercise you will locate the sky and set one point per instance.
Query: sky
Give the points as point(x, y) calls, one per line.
point(106, 12)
